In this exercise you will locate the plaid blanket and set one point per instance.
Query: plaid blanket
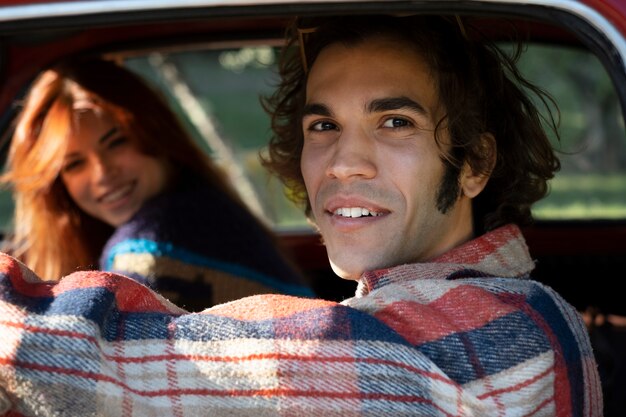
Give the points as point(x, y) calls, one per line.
point(465, 335)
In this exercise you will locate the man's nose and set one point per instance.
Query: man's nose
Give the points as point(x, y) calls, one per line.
point(353, 156)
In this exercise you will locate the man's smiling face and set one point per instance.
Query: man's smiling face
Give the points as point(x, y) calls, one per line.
point(370, 161)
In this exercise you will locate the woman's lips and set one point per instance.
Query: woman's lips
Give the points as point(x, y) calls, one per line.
point(118, 194)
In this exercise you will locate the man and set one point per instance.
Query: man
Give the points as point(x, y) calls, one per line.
point(417, 159)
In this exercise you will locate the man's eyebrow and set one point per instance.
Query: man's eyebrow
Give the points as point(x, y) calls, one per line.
point(316, 108)
point(108, 134)
point(395, 103)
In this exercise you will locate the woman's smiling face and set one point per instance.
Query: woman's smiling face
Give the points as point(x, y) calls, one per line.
point(104, 171)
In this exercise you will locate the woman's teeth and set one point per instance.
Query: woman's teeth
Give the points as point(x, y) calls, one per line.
point(117, 194)
point(355, 212)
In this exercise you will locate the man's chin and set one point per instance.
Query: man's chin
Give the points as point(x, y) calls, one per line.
point(346, 272)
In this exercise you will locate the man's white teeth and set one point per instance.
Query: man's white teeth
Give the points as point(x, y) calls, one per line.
point(355, 212)
point(117, 194)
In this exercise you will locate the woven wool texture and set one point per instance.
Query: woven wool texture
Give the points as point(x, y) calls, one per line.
point(181, 244)
point(465, 335)
point(201, 258)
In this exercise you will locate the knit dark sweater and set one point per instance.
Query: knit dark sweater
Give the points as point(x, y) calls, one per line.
point(198, 248)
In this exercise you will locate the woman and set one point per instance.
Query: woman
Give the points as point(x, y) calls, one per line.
point(102, 171)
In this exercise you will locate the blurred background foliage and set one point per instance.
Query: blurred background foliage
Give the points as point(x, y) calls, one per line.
point(592, 181)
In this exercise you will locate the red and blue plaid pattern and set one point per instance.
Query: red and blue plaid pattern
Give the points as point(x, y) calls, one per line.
point(447, 338)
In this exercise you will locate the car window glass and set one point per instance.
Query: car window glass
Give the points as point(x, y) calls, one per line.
point(590, 185)
point(592, 180)
point(216, 93)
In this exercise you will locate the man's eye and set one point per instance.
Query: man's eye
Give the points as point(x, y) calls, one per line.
point(396, 122)
point(322, 126)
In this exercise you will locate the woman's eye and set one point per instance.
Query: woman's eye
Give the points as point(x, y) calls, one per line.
point(322, 126)
point(120, 140)
point(396, 122)
point(72, 165)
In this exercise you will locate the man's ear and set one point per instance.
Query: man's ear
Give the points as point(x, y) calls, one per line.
point(474, 181)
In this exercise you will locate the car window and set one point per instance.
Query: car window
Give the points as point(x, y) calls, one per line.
point(6, 210)
point(592, 180)
point(216, 92)
point(590, 185)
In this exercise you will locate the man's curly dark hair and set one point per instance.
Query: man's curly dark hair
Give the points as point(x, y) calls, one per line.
point(479, 87)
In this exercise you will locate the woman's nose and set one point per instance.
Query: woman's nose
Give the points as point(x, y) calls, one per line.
point(353, 156)
point(103, 168)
